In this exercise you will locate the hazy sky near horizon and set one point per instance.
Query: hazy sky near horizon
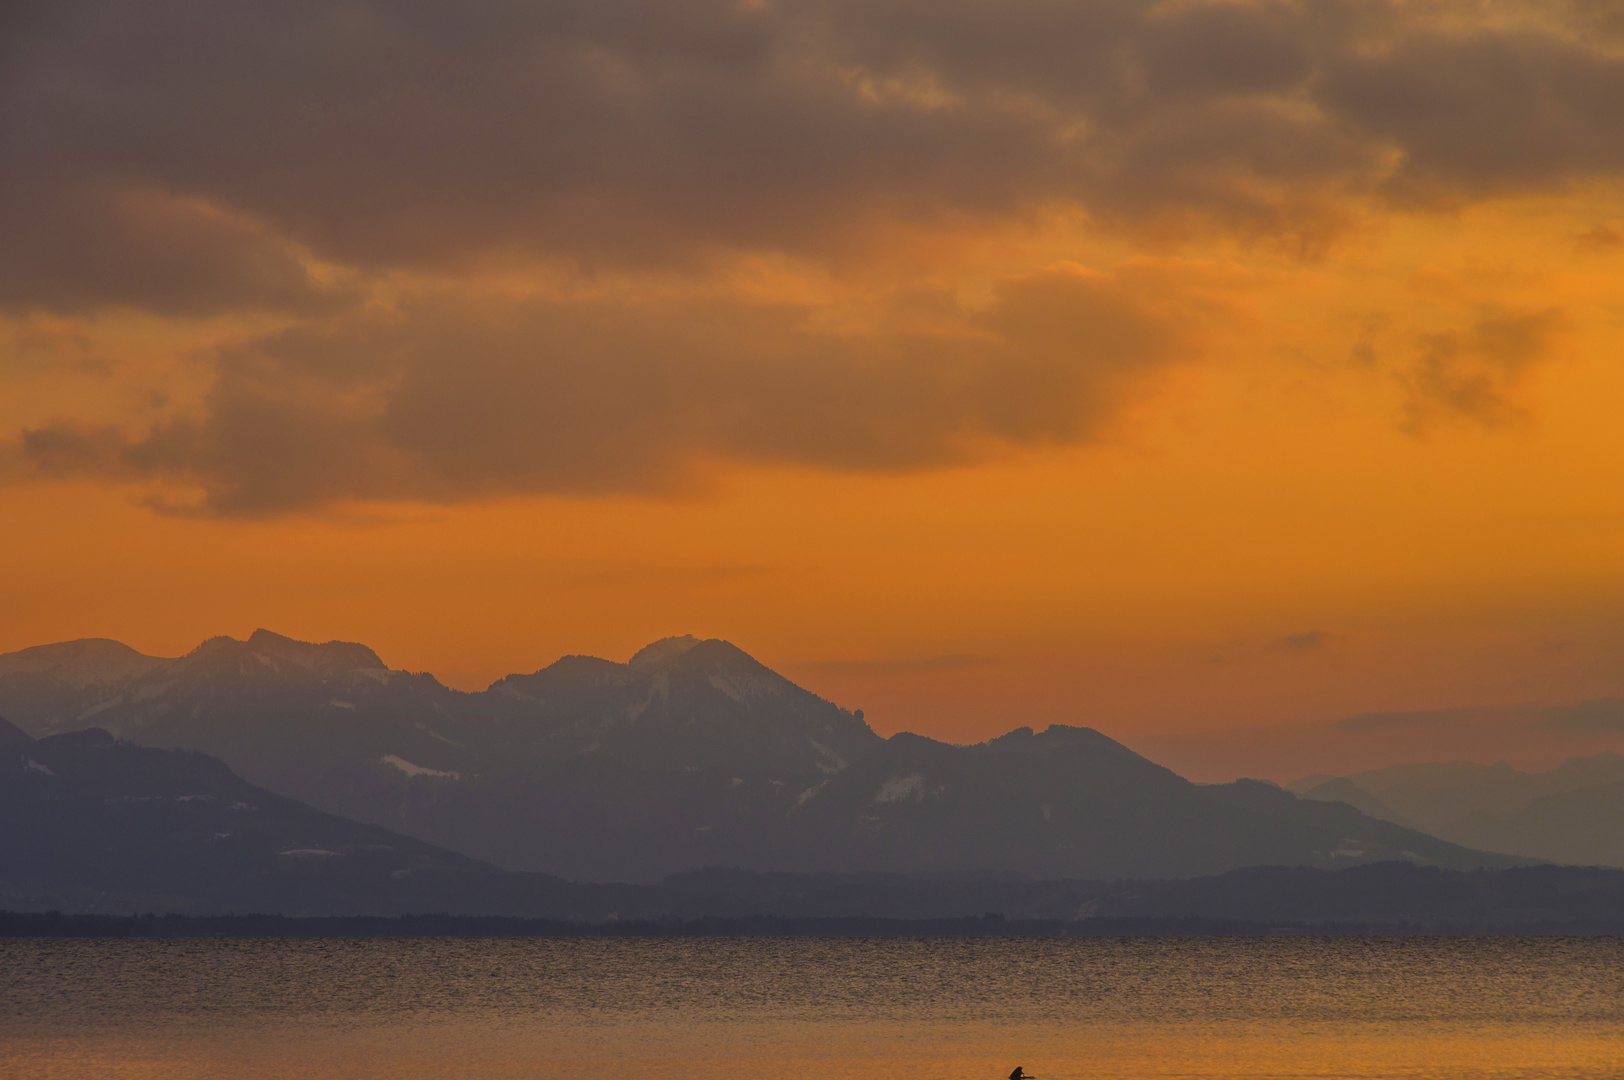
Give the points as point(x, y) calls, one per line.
point(1156, 366)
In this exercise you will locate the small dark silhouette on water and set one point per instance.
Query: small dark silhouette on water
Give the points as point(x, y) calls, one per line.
point(1021, 1074)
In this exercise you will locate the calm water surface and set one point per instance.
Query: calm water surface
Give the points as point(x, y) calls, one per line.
point(922, 1009)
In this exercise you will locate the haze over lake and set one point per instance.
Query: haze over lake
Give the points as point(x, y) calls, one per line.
point(923, 1009)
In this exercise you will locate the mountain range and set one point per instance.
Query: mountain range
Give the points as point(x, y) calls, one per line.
point(1573, 813)
point(99, 827)
point(692, 754)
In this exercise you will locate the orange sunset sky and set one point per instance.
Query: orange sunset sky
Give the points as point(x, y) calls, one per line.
point(1209, 373)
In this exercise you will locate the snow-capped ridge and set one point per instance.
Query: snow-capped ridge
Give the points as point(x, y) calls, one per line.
point(397, 762)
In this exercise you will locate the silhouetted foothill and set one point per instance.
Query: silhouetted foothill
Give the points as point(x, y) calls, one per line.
point(93, 823)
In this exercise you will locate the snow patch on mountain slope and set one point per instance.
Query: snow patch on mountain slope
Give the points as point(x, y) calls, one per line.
point(431, 733)
point(900, 788)
point(151, 690)
point(659, 687)
point(835, 762)
point(742, 688)
point(99, 707)
point(727, 688)
point(807, 794)
point(416, 770)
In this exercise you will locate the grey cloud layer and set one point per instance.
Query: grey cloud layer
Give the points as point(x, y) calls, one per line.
point(419, 133)
point(196, 157)
point(453, 401)
point(1474, 374)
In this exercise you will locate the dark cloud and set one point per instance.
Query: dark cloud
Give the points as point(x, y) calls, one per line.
point(1486, 113)
point(1599, 21)
point(198, 157)
point(77, 248)
point(1307, 641)
point(1604, 236)
point(1226, 50)
point(458, 400)
point(67, 449)
point(1476, 374)
point(405, 132)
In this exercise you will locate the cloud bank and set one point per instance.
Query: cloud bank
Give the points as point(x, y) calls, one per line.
point(446, 401)
point(366, 174)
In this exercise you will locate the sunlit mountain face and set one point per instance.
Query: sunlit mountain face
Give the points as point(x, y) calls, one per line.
point(1164, 369)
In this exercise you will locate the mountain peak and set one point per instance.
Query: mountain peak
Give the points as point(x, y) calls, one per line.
point(661, 652)
point(330, 656)
point(726, 667)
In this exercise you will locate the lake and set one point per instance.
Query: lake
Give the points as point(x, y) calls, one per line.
point(875, 1008)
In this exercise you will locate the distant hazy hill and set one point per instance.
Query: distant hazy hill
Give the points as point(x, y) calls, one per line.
point(1571, 814)
point(692, 754)
point(48, 687)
